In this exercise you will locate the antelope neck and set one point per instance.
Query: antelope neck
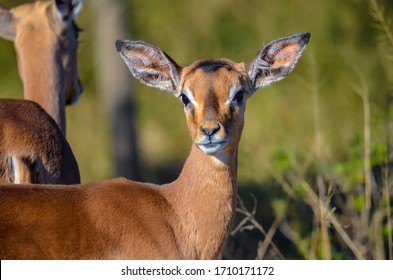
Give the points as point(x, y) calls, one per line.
point(45, 89)
point(204, 201)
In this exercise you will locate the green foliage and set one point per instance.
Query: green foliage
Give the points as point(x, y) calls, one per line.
point(281, 160)
point(351, 170)
point(280, 207)
point(337, 196)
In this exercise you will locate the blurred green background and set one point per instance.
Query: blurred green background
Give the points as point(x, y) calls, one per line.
point(346, 50)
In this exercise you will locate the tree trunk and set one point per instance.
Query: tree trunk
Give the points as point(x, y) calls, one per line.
point(115, 85)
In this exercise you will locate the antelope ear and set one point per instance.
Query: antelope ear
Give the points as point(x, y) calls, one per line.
point(68, 9)
point(7, 25)
point(276, 60)
point(150, 64)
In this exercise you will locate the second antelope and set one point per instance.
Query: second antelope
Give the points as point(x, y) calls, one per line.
point(32, 148)
point(189, 218)
point(45, 39)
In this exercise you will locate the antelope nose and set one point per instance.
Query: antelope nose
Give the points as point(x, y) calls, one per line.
point(210, 130)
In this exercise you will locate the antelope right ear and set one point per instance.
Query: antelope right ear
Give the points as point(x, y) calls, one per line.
point(7, 25)
point(150, 64)
point(276, 60)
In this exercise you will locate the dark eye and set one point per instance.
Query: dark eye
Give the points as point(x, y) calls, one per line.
point(239, 96)
point(185, 99)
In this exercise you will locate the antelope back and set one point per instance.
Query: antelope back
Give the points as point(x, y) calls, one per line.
point(32, 147)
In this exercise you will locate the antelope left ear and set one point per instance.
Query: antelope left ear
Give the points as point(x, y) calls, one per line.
point(7, 25)
point(68, 9)
point(276, 60)
point(149, 64)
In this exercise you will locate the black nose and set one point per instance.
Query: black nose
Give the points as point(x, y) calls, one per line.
point(209, 131)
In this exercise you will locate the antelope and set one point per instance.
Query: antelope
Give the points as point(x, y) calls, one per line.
point(121, 219)
point(32, 146)
point(45, 37)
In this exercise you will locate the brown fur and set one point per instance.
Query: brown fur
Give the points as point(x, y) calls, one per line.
point(120, 219)
point(30, 141)
point(32, 138)
point(46, 48)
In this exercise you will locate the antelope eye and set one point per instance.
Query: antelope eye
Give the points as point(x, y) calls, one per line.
point(185, 99)
point(239, 96)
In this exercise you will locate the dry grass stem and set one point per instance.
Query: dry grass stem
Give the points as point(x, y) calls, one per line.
point(389, 222)
point(361, 89)
point(249, 223)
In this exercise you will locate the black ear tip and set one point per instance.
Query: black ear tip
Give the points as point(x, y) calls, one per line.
point(306, 37)
point(118, 44)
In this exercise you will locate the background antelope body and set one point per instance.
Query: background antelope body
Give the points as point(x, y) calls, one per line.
point(33, 148)
point(38, 155)
point(45, 38)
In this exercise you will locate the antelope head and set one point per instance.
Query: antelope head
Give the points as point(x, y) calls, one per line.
point(214, 91)
point(45, 35)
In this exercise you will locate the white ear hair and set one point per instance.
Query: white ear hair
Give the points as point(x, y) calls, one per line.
point(78, 7)
point(7, 26)
point(68, 9)
point(149, 64)
point(276, 60)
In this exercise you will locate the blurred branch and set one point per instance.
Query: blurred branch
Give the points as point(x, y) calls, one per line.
point(326, 250)
point(384, 24)
point(389, 221)
point(317, 205)
point(329, 215)
point(377, 12)
point(262, 248)
point(250, 218)
point(296, 239)
point(361, 89)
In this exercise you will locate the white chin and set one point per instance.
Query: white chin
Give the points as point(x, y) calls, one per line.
point(211, 149)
